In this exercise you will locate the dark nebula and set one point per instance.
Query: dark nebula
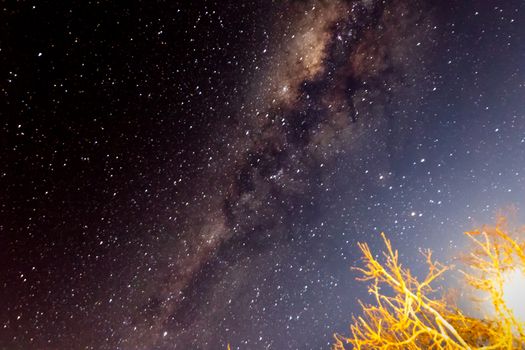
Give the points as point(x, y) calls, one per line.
point(184, 175)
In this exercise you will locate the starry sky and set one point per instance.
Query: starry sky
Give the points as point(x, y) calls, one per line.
point(180, 175)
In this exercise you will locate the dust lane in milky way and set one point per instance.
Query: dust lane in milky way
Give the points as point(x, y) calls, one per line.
point(331, 73)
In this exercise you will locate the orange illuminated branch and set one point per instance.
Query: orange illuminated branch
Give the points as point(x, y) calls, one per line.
point(407, 313)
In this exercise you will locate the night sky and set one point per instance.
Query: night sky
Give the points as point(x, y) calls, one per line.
point(180, 175)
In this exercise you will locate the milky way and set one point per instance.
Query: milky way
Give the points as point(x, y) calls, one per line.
point(331, 73)
point(205, 171)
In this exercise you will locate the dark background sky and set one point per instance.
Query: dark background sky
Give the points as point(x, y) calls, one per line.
point(126, 144)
